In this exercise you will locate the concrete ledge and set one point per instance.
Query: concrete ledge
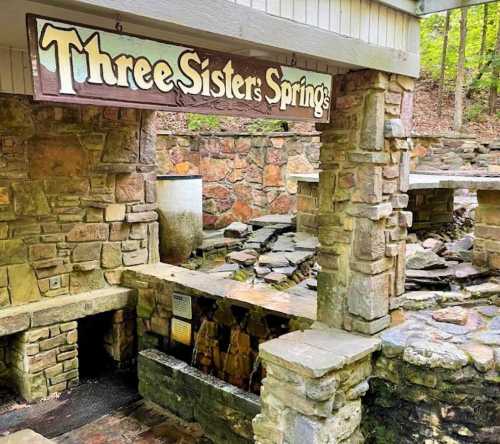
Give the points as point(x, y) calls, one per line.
point(64, 309)
point(314, 353)
point(426, 181)
point(430, 181)
point(224, 411)
point(195, 283)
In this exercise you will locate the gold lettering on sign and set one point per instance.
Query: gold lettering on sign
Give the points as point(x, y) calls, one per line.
point(96, 66)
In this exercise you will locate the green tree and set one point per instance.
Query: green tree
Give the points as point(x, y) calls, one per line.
point(480, 58)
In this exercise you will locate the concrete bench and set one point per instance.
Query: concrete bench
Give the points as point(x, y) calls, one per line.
point(41, 339)
point(64, 309)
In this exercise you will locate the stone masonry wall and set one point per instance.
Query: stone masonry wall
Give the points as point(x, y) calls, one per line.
point(362, 195)
point(449, 153)
point(314, 383)
point(45, 360)
point(77, 197)
point(307, 207)
point(224, 411)
point(487, 230)
point(120, 340)
point(431, 208)
point(439, 392)
point(244, 175)
point(4, 362)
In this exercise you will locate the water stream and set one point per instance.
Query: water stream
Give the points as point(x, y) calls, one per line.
point(255, 368)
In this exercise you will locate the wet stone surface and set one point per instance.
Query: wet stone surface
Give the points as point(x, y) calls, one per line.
point(445, 338)
point(266, 251)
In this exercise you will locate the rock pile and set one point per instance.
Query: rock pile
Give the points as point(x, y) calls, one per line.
point(440, 263)
point(267, 251)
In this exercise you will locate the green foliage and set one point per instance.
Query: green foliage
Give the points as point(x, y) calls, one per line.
point(475, 112)
point(200, 122)
point(432, 31)
point(265, 125)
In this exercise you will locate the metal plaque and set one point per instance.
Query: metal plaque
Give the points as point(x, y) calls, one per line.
point(78, 63)
point(181, 306)
point(181, 331)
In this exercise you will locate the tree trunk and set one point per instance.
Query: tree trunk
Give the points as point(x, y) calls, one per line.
point(459, 84)
point(443, 62)
point(483, 36)
point(495, 73)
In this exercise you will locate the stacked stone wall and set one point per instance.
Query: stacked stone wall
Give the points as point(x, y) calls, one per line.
point(77, 197)
point(45, 360)
point(447, 153)
point(224, 411)
point(362, 196)
point(487, 230)
point(119, 341)
point(244, 175)
point(4, 362)
point(314, 383)
point(431, 208)
point(454, 401)
point(307, 207)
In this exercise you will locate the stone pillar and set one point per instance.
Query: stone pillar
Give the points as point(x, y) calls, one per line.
point(487, 230)
point(363, 183)
point(119, 341)
point(307, 207)
point(431, 208)
point(45, 360)
point(313, 387)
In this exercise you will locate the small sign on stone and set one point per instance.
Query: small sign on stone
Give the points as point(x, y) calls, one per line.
point(181, 306)
point(181, 331)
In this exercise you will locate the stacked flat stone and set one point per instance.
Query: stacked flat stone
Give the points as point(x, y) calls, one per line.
point(314, 383)
point(487, 229)
point(437, 378)
point(44, 360)
point(454, 153)
point(307, 207)
point(77, 197)
point(120, 339)
point(363, 184)
point(244, 174)
point(431, 208)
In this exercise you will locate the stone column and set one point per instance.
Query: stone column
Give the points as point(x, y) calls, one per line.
point(363, 184)
point(487, 230)
point(45, 360)
point(313, 387)
point(431, 208)
point(119, 341)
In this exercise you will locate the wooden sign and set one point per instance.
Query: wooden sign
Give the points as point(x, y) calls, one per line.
point(76, 63)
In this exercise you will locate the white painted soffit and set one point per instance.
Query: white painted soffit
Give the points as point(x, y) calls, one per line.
point(222, 20)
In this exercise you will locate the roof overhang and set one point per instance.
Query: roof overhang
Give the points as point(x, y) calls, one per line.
point(255, 30)
point(429, 6)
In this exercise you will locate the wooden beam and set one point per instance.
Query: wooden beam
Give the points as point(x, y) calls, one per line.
point(257, 29)
point(430, 6)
